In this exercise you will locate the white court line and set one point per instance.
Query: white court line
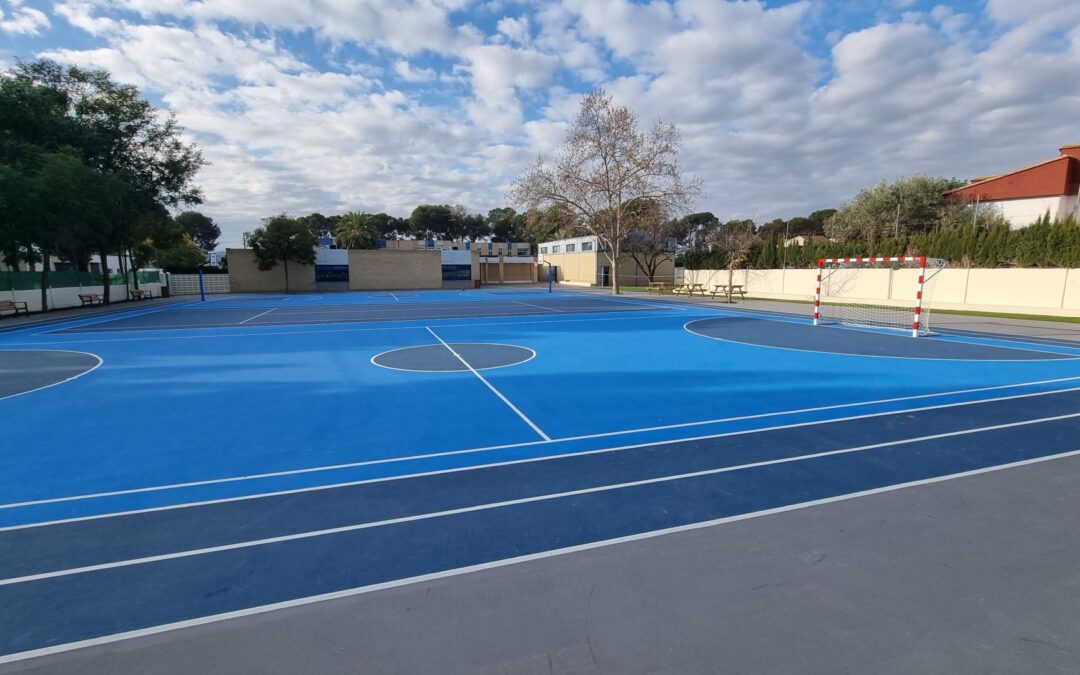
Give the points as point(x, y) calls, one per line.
point(462, 469)
point(301, 331)
point(107, 318)
point(529, 304)
point(257, 315)
point(495, 391)
point(516, 502)
point(959, 340)
point(54, 384)
point(299, 602)
point(394, 297)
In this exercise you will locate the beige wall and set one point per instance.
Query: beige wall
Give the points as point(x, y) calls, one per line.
point(246, 277)
point(1019, 291)
point(575, 268)
point(394, 270)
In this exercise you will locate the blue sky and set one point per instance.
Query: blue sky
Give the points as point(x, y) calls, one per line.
point(784, 107)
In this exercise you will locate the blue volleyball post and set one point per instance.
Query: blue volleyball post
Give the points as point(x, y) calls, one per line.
point(202, 288)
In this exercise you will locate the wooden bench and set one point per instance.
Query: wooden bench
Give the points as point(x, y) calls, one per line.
point(90, 299)
point(722, 289)
point(690, 289)
point(14, 306)
point(140, 294)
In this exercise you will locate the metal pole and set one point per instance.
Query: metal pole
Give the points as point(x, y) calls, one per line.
point(202, 287)
point(550, 275)
point(919, 298)
point(817, 293)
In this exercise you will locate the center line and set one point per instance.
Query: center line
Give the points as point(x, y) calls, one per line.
point(529, 304)
point(489, 386)
point(258, 315)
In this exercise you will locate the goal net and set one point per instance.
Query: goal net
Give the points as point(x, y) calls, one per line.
point(880, 292)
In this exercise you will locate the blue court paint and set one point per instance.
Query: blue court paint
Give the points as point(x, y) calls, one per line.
point(82, 606)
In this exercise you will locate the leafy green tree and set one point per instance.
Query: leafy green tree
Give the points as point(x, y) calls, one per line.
point(281, 239)
point(506, 224)
point(200, 228)
point(357, 231)
point(694, 229)
point(143, 161)
point(184, 255)
point(431, 221)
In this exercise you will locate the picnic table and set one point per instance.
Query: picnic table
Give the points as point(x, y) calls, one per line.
point(727, 292)
point(690, 289)
point(659, 287)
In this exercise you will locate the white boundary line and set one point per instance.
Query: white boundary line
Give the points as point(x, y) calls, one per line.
point(529, 304)
point(300, 328)
point(256, 316)
point(54, 384)
point(488, 465)
point(515, 502)
point(1064, 357)
point(299, 602)
point(108, 318)
point(487, 384)
point(414, 370)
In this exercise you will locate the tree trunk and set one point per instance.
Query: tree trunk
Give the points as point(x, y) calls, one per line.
point(106, 286)
point(44, 281)
point(615, 267)
point(730, 280)
point(286, 274)
point(134, 270)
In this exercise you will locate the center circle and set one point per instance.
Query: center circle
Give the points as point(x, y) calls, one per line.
point(452, 357)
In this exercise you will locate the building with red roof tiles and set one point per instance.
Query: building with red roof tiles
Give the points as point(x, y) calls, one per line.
point(1027, 194)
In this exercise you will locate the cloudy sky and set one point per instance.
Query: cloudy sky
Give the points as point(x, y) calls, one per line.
point(785, 107)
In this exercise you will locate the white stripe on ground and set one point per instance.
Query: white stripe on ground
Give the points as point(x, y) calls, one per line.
point(515, 502)
point(298, 602)
point(490, 386)
point(447, 453)
point(257, 315)
point(55, 384)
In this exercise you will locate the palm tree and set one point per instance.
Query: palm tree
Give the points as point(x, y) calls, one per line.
point(355, 230)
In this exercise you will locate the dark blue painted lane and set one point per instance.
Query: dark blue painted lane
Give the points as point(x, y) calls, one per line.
point(285, 314)
point(76, 607)
point(69, 545)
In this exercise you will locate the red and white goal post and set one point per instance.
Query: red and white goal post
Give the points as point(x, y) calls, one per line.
point(888, 292)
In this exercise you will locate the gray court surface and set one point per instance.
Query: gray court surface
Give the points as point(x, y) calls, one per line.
point(25, 370)
point(767, 332)
point(972, 575)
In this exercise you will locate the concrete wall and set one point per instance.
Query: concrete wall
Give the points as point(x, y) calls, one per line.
point(60, 298)
point(1020, 291)
point(393, 270)
point(630, 274)
point(576, 268)
point(246, 277)
point(1023, 212)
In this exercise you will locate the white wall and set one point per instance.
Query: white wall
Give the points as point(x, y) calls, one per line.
point(60, 298)
point(1024, 212)
point(1019, 291)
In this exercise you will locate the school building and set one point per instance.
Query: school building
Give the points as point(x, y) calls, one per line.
point(582, 261)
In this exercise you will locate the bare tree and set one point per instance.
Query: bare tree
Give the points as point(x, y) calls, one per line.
point(735, 239)
point(605, 164)
point(651, 233)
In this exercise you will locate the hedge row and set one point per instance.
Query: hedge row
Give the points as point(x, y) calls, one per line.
point(1045, 243)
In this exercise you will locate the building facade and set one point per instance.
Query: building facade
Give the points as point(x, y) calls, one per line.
point(1025, 195)
point(582, 261)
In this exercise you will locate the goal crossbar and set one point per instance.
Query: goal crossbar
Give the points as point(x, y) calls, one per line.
point(915, 308)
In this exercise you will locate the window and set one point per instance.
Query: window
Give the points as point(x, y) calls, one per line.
point(586, 246)
point(555, 248)
point(543, 250)
point(570, 248)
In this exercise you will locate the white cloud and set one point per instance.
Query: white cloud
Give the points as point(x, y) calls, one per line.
point(773, 130)
point(20, 19)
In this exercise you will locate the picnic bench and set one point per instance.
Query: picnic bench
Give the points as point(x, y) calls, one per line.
point(14, 306)
point(722, 289)
point(659, 287)
point(90, 299)
point(689, 290)
point(140, 294)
